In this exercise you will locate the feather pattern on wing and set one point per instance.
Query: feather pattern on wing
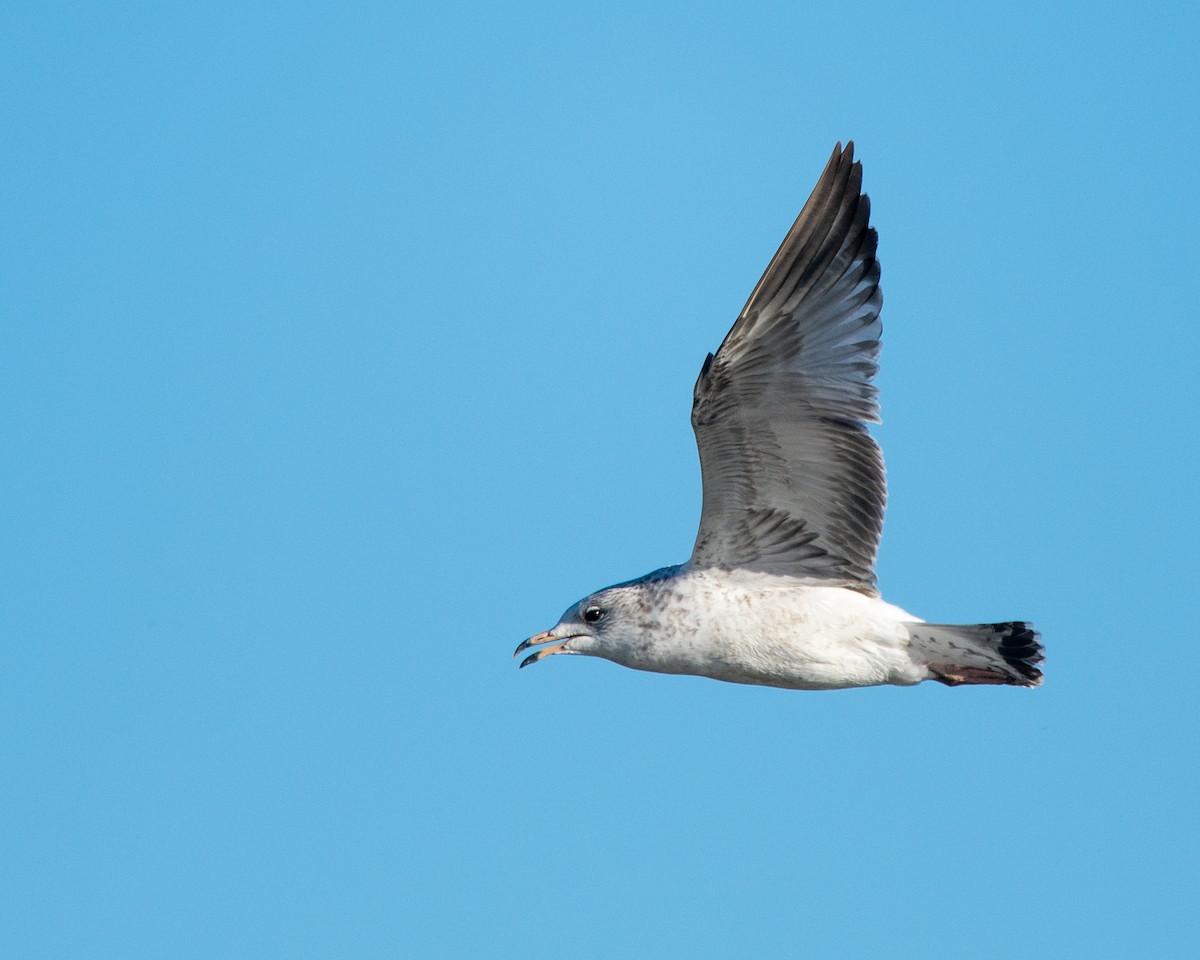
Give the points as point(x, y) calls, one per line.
point(793, 483)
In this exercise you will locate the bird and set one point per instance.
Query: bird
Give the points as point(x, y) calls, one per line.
point(780, 589)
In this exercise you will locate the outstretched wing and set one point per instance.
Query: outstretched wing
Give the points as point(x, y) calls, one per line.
point(793, 483)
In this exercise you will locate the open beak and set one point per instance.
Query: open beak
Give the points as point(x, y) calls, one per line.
point(544, 637)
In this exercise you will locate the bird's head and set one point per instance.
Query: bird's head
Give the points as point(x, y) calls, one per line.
point(602, 624)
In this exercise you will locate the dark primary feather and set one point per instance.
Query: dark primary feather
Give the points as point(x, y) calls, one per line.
point(793, 483)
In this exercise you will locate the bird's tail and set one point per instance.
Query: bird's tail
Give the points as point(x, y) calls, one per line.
point(980, 653)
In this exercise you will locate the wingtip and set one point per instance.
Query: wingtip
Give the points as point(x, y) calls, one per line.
point(844, 164)
point(847, 157)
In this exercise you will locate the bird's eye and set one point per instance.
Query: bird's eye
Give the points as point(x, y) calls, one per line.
point(593, 615)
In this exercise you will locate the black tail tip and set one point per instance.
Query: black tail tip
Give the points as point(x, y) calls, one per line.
point(1021, 647)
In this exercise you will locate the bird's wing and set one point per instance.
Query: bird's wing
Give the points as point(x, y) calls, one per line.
point(793, 483)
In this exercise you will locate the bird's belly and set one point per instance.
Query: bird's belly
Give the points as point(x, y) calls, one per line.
point(820, 639)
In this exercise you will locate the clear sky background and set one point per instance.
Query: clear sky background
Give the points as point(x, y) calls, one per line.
point(344, 345)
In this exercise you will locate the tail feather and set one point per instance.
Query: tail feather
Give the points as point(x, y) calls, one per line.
point(1006, 653)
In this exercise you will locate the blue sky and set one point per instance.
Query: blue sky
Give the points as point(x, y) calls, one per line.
point(345, 345)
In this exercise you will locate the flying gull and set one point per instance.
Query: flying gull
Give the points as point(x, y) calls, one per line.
point(780, 588)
